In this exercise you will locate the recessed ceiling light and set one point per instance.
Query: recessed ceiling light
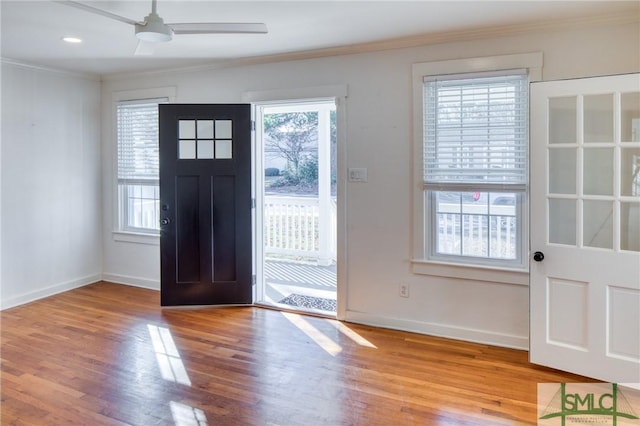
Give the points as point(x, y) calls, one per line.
point(72, 39)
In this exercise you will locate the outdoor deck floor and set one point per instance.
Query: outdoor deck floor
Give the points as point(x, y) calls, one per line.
point(301, 286)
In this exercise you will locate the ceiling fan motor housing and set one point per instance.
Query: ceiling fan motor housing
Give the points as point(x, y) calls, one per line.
point(153, 29)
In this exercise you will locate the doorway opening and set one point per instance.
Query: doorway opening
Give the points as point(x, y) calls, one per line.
point(296, 206)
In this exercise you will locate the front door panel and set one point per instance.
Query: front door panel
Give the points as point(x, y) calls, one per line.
point(205, 197)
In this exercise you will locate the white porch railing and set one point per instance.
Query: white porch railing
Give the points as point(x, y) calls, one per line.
point(292, 227)
point(477, 235)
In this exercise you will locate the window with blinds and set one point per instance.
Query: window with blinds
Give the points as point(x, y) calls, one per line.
point(138, 164)
point(476, 130)
point(475, 164)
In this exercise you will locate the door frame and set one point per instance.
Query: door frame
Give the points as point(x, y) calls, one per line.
point(337, 94)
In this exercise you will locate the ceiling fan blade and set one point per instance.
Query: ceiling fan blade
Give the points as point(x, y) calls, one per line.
point(219, 28)
point(95, 10)
point(145, 48)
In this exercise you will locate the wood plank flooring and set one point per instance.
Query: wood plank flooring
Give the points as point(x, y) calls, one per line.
point(107, 354)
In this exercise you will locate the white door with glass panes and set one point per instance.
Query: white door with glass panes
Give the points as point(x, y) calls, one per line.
point(585, 226)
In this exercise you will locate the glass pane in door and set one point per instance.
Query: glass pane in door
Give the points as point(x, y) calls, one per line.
point(563, 120)
point(597, 176)
point(598, 118)
point(630, 172)
point(630, 226)
point(598, 224)
point(562, 221)
point(630, 117)
point(563, 170)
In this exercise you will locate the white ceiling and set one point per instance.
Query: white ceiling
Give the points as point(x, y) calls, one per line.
point(31, 31)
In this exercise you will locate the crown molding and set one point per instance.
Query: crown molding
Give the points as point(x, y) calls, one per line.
point(454, 36)
point(402, 43)
point(36, 67)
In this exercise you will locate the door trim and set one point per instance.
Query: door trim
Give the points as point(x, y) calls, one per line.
point(338, 94)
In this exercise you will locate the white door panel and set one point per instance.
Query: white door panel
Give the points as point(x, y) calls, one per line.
point(585, 198)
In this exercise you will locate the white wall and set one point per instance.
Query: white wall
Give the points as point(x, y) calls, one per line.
point(379, 137)
point(51, 199)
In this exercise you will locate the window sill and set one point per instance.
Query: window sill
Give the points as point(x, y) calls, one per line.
point(471, 272)
point(137, 238)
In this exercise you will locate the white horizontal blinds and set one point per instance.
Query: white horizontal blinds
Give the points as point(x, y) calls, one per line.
point(476, 130)
point(137, 128)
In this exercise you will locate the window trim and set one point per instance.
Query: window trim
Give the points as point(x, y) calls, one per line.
point(421, 263)
point(120, 233)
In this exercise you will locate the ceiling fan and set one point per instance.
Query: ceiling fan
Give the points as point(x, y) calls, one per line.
point(153, 30)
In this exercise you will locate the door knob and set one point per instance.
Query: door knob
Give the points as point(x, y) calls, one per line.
point(165, 221)
point(538, 256)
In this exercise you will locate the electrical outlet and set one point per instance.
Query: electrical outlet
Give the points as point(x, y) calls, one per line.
point(404, 290)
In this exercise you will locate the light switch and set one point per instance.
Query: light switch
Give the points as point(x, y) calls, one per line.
point(357, 174)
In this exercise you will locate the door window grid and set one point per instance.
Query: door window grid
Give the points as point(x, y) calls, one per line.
point(600, 210)
point(205, 139)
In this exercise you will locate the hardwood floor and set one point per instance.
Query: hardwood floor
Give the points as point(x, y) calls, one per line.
point(107, 354)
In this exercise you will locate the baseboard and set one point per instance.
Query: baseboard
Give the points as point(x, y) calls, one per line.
point(441, 330)
point(48, 291)
point(132, 281)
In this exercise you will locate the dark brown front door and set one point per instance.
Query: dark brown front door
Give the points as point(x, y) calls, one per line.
point(205, 202)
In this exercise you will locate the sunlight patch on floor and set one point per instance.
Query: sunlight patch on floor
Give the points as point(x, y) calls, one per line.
point(167, 355)
point(184, 415)
point(321, 339)
point(342, 328)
